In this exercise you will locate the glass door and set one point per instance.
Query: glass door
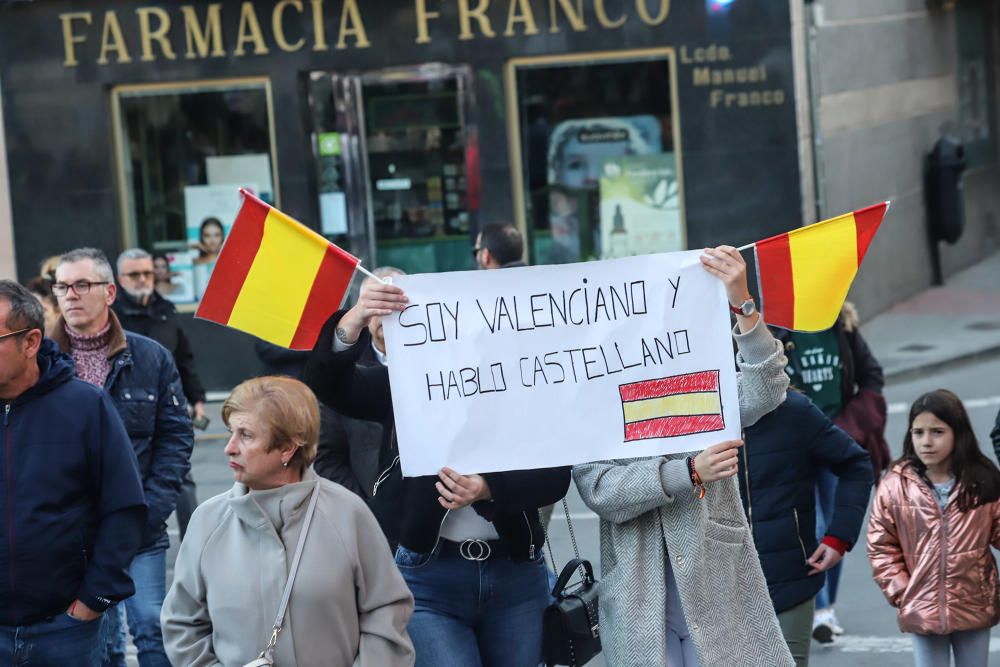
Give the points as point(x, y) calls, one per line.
point(397, 168)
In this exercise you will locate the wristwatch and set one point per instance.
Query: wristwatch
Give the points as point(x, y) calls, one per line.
point(746, 309)
point(341, 334)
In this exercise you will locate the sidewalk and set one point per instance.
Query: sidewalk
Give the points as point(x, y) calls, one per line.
point(956, 323)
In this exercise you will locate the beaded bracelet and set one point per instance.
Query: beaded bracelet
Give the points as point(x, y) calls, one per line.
point(699, 486)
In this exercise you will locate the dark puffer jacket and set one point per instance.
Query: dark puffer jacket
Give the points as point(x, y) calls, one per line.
point(778, 470)
point(71, 506)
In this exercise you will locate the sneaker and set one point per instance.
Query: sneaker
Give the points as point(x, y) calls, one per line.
point(837, 628)
point(823, 627)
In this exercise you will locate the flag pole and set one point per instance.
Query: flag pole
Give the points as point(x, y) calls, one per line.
point(746, 247)
point(369, 273)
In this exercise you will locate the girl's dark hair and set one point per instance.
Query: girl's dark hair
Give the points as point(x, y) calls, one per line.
point(977, 479)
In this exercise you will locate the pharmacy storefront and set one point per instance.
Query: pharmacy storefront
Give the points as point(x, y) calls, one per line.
point(601, 128)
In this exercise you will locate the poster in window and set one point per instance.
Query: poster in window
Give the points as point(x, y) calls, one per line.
point(640, 206)
point(178, 285)
point(210, 211)
point(578, 149)
point(242, 169)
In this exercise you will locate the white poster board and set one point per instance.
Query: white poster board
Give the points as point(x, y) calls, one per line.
point(548, 366)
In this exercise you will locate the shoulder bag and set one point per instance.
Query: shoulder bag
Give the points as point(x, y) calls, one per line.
point(571, 627)
point(266, 656)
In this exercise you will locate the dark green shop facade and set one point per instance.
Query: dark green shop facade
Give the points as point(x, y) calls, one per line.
point(396, 129)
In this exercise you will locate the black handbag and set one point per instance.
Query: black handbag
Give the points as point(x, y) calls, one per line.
point(571, 628)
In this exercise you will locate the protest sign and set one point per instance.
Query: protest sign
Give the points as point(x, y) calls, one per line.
point(546, 366)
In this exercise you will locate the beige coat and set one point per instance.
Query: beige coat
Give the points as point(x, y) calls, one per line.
point(349, 604)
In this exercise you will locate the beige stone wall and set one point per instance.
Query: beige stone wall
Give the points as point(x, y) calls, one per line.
point(887, 87)
point(7, 269)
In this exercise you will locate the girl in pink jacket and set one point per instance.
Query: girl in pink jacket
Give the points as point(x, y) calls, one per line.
point(934, 518)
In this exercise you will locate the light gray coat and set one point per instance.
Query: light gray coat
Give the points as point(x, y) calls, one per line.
point(349, 604)
point(648, 510)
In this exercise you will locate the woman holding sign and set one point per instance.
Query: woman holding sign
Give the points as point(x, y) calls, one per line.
point(681, 582)
point(470, 546)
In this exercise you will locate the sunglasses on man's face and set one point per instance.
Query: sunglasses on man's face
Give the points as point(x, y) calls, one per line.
point(135, 275)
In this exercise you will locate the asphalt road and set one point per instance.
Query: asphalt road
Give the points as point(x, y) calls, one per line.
point(872, 638)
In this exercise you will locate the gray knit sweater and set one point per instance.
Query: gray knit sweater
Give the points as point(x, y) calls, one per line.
point(648, 511)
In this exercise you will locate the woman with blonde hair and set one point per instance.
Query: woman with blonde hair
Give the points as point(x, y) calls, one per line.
point(348, 604)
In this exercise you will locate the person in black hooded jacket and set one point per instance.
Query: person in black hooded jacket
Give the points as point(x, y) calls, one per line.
point(469, 546)
point(72, 512)
point(784, 454)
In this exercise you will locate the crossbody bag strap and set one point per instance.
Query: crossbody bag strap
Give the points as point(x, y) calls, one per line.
point(279, 620)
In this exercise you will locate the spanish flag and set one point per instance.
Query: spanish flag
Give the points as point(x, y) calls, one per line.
point(804, 274)
point(276, 278)
point(672, 406)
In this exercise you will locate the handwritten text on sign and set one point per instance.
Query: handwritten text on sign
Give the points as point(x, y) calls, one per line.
point(557, 365)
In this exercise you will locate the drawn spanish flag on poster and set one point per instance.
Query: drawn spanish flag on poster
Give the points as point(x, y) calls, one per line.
point(276, 278)
point(805, 274)
point(672, 406)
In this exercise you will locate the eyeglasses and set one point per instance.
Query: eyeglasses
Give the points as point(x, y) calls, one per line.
point(475, 252)
point(14, 333)
point(135, 275)
point(81, 287)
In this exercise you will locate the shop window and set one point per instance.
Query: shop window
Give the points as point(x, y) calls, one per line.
point(397, 166)
point(974, 24)
point(184, 150)
point(600, 170)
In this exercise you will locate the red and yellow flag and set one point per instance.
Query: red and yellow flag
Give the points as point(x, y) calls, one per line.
point(804, 274)
point(276, 278)
point(672, 406)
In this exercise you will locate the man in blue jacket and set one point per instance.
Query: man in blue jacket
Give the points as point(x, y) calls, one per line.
point(71, 507)
point(784, 454)
point(140, 377)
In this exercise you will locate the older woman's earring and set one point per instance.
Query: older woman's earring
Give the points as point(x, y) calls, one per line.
point(284, 463)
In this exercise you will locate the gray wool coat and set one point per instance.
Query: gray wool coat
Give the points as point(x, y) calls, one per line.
point(648, 512)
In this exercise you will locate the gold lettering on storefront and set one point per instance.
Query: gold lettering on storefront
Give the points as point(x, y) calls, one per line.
point(112, 40)
point(278, 23)
point(249, 32)
point(351, 24)
point(147, 35)
point(466, 14)
point(573, 14)
point(520, 12)
point(207, 41)
point(602, 16)
point(649, 19)
point(216, 30)
point(423, 15)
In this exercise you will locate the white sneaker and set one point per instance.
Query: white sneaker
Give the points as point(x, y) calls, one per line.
point(823, 626)
point(837, 629)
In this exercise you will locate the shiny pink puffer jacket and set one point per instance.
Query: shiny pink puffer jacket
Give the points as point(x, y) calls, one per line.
point(937, 571)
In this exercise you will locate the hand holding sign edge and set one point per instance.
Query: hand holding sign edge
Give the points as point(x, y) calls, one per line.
point(376, 299)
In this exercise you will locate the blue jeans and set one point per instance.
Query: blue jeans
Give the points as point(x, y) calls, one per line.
point(826, 496)
point(475, 614)
point(149, 573)
point(59, 641)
